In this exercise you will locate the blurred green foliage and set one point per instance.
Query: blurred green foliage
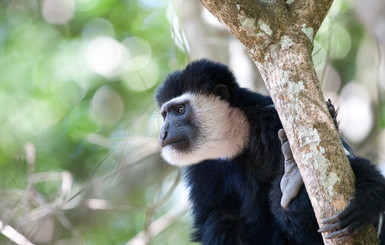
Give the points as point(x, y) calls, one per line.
point(77, 80)
point(47, 86)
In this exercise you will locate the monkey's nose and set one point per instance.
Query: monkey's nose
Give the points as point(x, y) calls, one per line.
point(163, 135)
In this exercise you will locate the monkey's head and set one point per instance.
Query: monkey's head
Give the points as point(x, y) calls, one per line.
point(201, 118)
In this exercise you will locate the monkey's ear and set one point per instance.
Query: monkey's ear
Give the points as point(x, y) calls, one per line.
point(222, 91)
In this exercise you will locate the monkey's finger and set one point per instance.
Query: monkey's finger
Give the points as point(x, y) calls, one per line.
point(282, 136)
point(338, 217)
point(332, 112)
point(330, 228)
point(331, 107)
point(330, 220)
point(286, 150)
point(340, 233)
point(287, 153)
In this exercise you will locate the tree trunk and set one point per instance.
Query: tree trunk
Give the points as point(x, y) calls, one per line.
point(279, 38)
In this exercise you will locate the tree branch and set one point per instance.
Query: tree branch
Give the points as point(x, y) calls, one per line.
point(250, 19)
point(310, 13)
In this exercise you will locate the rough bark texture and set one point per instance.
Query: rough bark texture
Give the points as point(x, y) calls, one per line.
point(279, 37)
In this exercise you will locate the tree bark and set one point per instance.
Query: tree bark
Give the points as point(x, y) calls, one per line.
point(279, 38)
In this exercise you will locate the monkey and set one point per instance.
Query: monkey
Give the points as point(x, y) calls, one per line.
point(226, 140)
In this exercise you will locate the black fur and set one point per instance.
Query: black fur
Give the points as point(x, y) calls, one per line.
point(237, 201)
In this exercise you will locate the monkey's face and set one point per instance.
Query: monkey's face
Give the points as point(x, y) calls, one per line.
point(199, 127)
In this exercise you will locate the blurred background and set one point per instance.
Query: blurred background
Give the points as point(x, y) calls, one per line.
point(79, 155)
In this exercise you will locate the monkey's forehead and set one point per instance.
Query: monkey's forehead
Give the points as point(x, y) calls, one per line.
point(184, 98)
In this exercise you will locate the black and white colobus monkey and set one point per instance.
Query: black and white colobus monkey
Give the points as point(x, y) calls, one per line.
point(226, 139)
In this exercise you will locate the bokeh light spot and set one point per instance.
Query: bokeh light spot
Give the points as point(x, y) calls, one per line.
point(140, 53)
point(143, 79)
point(107, 106)
point(340, 43)
point(106, 56)
point(153, 4)
point(355, 112)
point(58, 12)
point(19, 11)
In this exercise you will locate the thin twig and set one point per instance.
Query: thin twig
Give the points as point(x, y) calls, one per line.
point(14, 235)
point(157, 226)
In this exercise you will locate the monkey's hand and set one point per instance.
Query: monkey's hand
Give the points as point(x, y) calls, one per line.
point(366, 206)
point(341, 226)
point(349, 222)
point(291, 181)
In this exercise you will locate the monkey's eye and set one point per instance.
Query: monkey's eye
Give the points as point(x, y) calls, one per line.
point(180, 109)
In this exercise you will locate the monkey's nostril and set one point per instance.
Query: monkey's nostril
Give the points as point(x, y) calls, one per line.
point(163, 135)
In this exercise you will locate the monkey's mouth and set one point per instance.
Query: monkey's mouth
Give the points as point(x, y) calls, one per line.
point(175, 143)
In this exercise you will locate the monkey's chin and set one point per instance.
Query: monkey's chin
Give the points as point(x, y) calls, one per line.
point(178, 158)
point(198, 154)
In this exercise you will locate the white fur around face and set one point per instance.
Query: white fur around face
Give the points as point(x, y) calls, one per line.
point(224, 131)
